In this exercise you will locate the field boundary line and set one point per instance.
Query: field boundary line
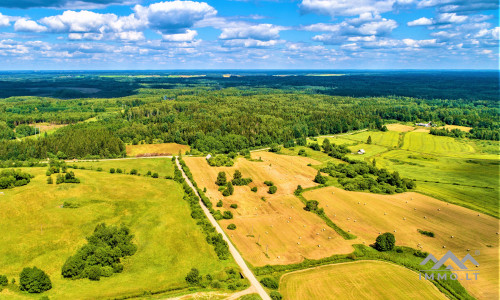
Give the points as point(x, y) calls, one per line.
point(234, 252)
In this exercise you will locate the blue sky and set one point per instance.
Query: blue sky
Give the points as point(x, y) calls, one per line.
point(248, 34)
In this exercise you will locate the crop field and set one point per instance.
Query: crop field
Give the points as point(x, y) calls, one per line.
point(388, 139)
point(163, 166)
point(469, 182)
point(44, 234)
point(276, 230)
point(450, 127)
point(357, 280)
point(152, 149)
point(400, 127)
point(456, 228)
point(426, 143)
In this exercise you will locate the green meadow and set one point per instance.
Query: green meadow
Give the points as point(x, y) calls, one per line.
point(459, 171)
point(38, 231)
point(163, 166)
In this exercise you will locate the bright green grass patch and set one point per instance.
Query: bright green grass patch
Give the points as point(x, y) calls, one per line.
point(370, 151)
point(387, 139)
point(162, 166)
point(427, 143)
point(489, 147)
point(37, 231)
point(472, 183)
point(321, 157)
point(333, 140)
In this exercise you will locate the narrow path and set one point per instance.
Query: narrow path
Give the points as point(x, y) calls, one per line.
point(236, 255)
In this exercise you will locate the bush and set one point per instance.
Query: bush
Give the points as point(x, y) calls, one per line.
point(4, 281)
point(119, 170)
point(133, 172)
point(193, 277)
point(302, 152)
point(50, 180)
point(220, 160)
point(231, 226)
point(272, 189)
point(320, 178)
point(221, 179)
point(34, 280)
point(219, 204)
point(275, 295)
point(269, 282)
point(275, 148)
point(155, 175)
point(254, 189)
point(112, 170)
point(99, 169)
point(427, 233)
point(311, 205)
point(227, 215)
point(93, 273)
point(268, 183)
point(233, 206)
point(385, 242)
point(107, 271)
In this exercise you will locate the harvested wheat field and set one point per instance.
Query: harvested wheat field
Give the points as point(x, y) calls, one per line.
point(451, 127)
point(156, 149)
point(357, 280)
point(400, 127)
point(456, 228)
point(276, 230)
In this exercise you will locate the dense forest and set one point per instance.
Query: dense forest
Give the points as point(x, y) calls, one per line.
point(212, 117)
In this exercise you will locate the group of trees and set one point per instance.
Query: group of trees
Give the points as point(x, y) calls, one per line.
point(10, 178)
point(226, 187)
point(220, 161)
point(360, 176)
point(102, 254)
point(480, 133)
point(229, 278)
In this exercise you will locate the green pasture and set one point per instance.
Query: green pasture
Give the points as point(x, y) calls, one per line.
point(38, 231)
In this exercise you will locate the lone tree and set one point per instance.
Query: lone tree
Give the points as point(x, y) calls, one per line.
point(369, 140)
point(221, 179)
point(34, 280)
point(193, 277)
point(311, 205)
point(272, 189)
point(385, 242)
point(320, 178)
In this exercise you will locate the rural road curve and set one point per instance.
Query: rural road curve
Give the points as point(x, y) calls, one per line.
point(237, 256)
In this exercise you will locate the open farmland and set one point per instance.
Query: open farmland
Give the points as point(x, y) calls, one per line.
point(427, 143)
point(277, 230)
point(366, 215)
point(162, 166)
point(400, 127)
point(357, 280)
point(156, 149)
point(387, 139)
point(41, 233)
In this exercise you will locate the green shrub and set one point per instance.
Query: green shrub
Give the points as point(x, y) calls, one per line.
point(34, 280)
point(219, 204)
point(427, 233)
point(272, 189)
point(385, 242)
point(254, 189)
point(112, 170)
point(320, 178)
point(268, 183)
point(119, 170)
point(133, 172)
point(233, 205)
point(231, 226)
point(221, 179)
point(193, 277)
point(269, 282)
point(227, 215)
point(3, 280)
point(155, 175)
point(275, 295)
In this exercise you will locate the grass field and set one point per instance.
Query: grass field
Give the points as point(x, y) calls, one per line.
point(357, 280)
point(163, 166)
point(469, 182)
point(403, 214)
point(370, 151)
point(387, 139)
point(334, 140)
point(37, 231)
point(278, 225)
point(148, 149)
point(427, 143)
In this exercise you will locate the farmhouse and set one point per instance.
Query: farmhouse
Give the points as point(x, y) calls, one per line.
point(361, 151)
point(424, 124)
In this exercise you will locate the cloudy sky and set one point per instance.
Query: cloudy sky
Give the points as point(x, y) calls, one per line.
point(248, 34)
